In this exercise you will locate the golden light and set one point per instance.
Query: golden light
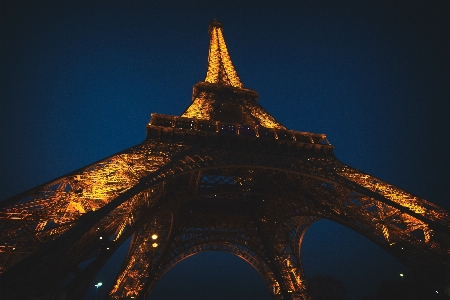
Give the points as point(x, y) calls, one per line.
point(219, 62)
point(155, 245)
point(154, 236)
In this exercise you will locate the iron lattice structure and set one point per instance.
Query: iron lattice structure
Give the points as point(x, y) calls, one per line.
point(223, 176)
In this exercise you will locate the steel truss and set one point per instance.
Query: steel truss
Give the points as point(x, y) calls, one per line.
point(225, 176)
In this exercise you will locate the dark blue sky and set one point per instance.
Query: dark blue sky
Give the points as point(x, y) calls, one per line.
point(79, 80)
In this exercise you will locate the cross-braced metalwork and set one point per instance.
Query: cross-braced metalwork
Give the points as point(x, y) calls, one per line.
point(223, 176)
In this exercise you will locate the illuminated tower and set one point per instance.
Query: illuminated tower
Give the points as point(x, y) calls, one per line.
point(223, 176)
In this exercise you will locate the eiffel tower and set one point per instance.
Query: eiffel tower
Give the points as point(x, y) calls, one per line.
point(223, 176)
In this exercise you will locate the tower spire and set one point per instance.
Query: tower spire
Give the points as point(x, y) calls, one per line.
point(222, 96)
point(220, 68)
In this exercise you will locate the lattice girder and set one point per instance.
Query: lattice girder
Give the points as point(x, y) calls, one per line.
point(146, 248)
point(222, 96)
point(220, 68)
point(357, 207)
point(337, 200)
point(250, 186)
point(46, 212)
point(310, 184)
point(22, 237)
point(199, 233)
point(131, 216)
point(98, 243)
point(287, 241)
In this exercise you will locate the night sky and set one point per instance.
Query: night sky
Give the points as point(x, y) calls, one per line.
point(78, 81)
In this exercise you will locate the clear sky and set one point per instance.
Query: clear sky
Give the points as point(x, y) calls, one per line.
point(79, 79)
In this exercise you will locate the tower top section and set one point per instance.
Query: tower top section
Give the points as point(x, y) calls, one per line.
point(220, 68)
point(222, 97)
point(214, 24)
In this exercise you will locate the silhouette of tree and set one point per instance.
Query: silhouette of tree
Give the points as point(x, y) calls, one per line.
point(412, 289)
point(326, 287)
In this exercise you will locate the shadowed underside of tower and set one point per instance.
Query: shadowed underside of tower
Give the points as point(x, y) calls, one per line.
point(223, 176)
